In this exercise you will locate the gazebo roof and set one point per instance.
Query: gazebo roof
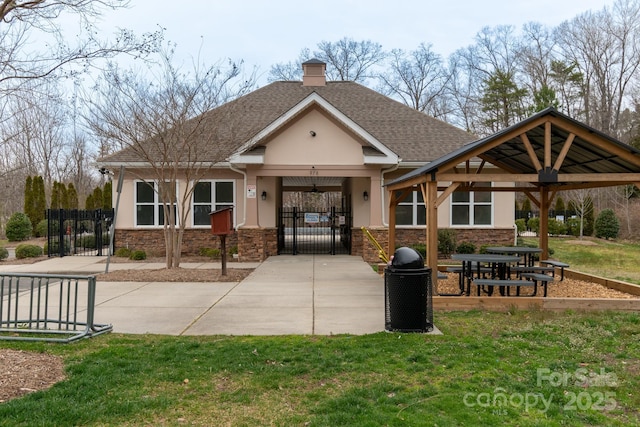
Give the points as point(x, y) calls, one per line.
point(560, 151)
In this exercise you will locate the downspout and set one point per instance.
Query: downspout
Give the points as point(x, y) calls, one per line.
point(382, 173)
point(244, 192)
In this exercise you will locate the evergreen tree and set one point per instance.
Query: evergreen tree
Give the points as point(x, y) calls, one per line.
point(107, 195)
point(89, 203)
point(55, 196)
point(607, 225)
point(526, 207)
point(40, 198)
point(502, 100)
point(29, 204)
point(98, 198)
point(544, 98)
point(72, 196)
point(64, 196)
point(559, 208)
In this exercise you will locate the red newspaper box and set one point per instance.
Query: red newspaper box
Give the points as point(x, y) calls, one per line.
point(222, 221)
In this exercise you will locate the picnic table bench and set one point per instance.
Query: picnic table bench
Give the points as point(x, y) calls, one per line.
point(528, 279)
point(555, 264)
point(507, 283)
point(537, 277)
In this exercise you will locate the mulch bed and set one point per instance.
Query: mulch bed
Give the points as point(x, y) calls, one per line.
point(568, 288)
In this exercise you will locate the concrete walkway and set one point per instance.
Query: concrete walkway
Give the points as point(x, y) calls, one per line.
point(303, 294)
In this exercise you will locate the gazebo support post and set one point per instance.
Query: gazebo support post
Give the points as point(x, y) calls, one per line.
point(392, 224)
point(430, 197)
point(544, 222)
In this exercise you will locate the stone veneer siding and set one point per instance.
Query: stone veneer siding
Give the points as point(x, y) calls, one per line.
point(152, 241)
point(257, 244)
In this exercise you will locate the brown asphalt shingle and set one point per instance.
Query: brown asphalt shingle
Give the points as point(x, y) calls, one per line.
point(414, 136)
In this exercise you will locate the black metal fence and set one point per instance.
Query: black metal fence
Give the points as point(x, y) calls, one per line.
point(560, 214)
point(301, 232)
point(78, 232)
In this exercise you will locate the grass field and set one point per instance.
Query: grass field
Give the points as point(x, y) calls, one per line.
point(605, 258)
point(519, 369)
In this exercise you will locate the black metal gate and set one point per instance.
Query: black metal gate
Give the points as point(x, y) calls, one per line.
point(308, 233)
point(78, 232)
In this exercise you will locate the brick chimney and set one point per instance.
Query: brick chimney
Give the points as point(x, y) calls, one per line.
point(314, 73)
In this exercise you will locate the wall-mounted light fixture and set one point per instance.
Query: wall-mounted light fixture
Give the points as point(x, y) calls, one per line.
point(264, 195)
point(312, 133)
point(365, 196)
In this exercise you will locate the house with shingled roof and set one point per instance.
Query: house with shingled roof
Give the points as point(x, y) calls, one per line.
point(311, 138)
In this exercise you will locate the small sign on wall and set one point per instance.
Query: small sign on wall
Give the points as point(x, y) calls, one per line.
point(251, 191)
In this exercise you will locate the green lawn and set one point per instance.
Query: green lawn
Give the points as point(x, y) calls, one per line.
point(605, 258)
point(519, 368)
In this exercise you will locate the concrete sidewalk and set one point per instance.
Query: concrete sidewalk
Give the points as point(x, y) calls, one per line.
point(303, 294)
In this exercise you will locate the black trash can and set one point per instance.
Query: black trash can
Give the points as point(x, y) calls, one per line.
point(408, 288)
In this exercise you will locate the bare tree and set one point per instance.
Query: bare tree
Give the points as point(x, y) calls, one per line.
point(605, 47)
point(22, 21)
point(582, 202)
point(165, 122)
point(350, 60)
point(290, 71)
point(418, 79)
point(35, 130)
point(346, 59)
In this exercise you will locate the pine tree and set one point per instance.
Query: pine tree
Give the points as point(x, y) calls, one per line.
point(107, 195)
point(55, 196)
point(72, 196)
point(89, 203)
point(29, 199)
point(98, 198)
point(40, 198)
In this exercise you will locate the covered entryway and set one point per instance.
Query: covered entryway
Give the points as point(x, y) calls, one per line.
point(315, 217)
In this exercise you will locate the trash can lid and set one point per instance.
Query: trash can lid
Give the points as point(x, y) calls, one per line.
point(407, 258)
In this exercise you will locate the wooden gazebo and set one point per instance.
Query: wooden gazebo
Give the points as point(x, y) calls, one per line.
point(544, 154)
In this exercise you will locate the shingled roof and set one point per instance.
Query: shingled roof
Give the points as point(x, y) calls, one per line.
point(412, 135)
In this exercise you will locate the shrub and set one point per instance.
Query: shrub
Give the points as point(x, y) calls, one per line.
point(483, 249)
point(123, 252)
point(55, 247)
point(521, 225)
point(233, 250)
point(534, 224)
point(446, 241)
point(557, 228)
point(209, 252)
point(86, 241)
point(18, 227)
point(4, 253)
point(138, 255)
point(607, 225)
point(421, 248)
point(28, 251)
point(466, 248)
point(42, 228)
point(573, 226)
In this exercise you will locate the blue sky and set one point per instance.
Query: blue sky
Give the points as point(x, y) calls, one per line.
point(263, 33)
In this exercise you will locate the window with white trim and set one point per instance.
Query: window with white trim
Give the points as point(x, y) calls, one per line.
point(411, 210)
point(472, 208)
point(149, 210)
point(209, 196)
